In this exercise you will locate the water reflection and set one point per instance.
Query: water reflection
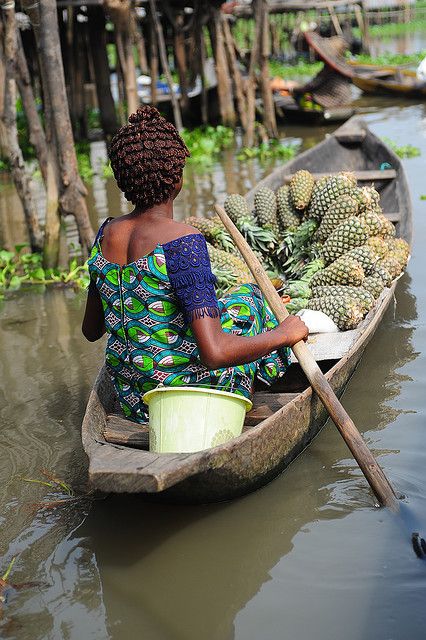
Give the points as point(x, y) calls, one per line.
point(305, 557)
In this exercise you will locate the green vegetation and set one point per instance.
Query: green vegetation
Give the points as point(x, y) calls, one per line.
point(269, 150)
point(391, 58)
point(290, 71)
point(404, 151)
point(391, 29)
point(423, 197)
point(206, 143)
point(19, 269)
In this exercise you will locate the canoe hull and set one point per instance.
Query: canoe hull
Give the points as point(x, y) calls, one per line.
point(266, 449)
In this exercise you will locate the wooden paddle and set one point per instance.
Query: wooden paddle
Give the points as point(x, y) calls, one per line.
point(366, 461)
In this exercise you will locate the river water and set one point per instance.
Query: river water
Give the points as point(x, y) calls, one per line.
point(308, 556)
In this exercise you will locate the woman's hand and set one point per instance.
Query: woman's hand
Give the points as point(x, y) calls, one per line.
point(293, 329)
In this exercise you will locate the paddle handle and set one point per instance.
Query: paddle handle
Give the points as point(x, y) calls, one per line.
point(366, 461)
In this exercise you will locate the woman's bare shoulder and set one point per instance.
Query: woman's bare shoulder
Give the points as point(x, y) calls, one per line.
point(180, 230)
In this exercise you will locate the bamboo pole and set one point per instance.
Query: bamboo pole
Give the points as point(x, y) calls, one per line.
point(366, 461)
point(164, 62)
point(236, 74)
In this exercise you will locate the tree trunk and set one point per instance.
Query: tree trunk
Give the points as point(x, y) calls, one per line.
point(163, 55)
point(120, 14)
point(37, 136)
point(52, 220)
point(269, 117)
point(224, 84)
point(73, 191)
point(98, 49)
point(20, 175)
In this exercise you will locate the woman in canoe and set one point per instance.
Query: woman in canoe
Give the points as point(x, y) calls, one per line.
point(152, 289)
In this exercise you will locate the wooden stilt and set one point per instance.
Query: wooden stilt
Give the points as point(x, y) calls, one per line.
point(251, 80)
point(180, 57)
point(224, 84)
point(153, 60)
point(269, 118)
point(163, 56)
point(236, 74)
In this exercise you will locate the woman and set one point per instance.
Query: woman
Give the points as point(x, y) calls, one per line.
point(152, 289)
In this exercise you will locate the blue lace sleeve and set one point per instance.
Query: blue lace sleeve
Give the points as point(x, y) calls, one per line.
point(190, 274)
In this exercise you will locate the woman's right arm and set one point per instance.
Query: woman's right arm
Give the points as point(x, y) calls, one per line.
point(219, 349)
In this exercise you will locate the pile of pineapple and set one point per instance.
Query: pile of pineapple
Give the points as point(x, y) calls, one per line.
point(327, 240)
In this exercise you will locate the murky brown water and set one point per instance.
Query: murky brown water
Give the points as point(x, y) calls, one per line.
point(307, 556)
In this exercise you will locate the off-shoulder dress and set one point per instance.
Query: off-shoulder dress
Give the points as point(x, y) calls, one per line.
point(148, 307)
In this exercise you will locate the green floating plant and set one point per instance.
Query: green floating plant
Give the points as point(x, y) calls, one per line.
point(206, 143)
point(269, 150)
point(18, 269)
point(404, 151)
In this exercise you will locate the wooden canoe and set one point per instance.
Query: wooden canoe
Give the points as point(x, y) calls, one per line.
point(284, 419)
point(289, 111)
point(386, 79)
point(402, 82)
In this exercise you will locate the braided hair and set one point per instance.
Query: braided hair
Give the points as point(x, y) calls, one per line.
point(147, 157)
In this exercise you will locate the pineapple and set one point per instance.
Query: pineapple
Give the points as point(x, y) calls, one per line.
point(346, 313)
point(366, 256)
point(319, 185)
point(296, 304)
point(391, 264)
point(287, 216)
point(301, 186)
point(225, 261)
point(359, 294)
point(367, 198)
point(262, 240)
point(373, 221)
point(388, 228)
point(265, 209)
point(334, 187)
point(378, 245)
point(341, 209)
point(344, 270)
point(351, 233)
point(373, 284)
point(297, 289)
point(237, 208)
point(398, 249)
point(382, 273)
point(213, 230)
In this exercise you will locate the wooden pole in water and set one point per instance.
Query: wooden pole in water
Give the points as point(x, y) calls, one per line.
point(366, 461)
point(236, 74)
point(163, 56)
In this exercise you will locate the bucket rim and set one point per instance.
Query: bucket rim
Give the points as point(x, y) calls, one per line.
point(217, 392)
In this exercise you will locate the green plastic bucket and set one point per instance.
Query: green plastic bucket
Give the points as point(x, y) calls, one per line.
point(186, 419)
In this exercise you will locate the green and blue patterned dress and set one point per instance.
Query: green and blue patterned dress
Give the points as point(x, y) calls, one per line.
point(148, 307)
